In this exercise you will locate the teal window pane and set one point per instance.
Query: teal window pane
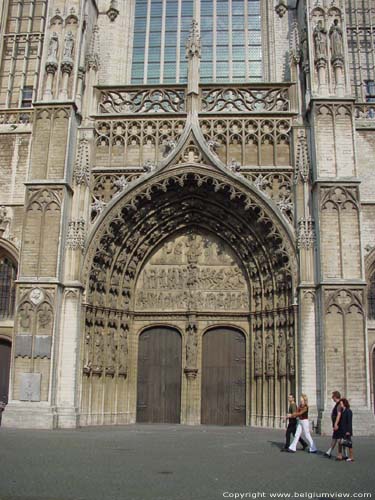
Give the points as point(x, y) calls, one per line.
point(139, 40)
point(254, 23)
point(222, 8)
point(155, 39)
point(206, 69)
point(238, 23)
point(222, 69)
point(206, 23)
point(153, 70)
point(138, 55)
point(154, 54)
point(238, 53)
point(155, 24)
point(254, 8)
point(255, 68)
point(239, 69)
point(170, 38)
point(170, 54)
point(255, 53)
point(172, 9)
point(238, 38)
point(170, 70)
point(156, 9)
point(238, 8)
point(255, 38)
point(222, 38)
point(222, 53)
point(222, 23)
point(187, 8)
point(140, 24)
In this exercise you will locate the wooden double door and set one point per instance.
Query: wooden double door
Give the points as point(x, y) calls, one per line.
point(223, 377)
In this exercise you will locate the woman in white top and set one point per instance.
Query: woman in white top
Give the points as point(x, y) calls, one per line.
point(303, 426)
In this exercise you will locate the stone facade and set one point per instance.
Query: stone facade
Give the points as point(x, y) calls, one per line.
point(197, 206)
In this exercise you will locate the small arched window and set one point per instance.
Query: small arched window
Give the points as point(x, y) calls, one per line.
point(8, 275)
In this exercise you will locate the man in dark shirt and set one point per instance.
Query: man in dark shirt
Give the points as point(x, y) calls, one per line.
point(335, 416)
point(292, 425)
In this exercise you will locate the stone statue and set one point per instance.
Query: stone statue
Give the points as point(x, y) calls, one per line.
point(320, 40)
point(68, 47)
point(53, 48)
point(335, 34)
point(123, 350)
point(270, 355)
point(258, 355)
point(191, 346)
point(281, 356)
point(290, 355)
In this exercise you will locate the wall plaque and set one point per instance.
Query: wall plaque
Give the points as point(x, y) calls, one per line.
point(30, 386)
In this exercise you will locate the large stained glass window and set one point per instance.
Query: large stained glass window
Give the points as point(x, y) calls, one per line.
point(230, 39)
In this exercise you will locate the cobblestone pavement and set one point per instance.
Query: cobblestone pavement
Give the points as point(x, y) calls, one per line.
point(170, 462)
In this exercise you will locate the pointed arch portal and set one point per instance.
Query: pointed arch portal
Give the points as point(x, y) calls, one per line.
point(188, 249)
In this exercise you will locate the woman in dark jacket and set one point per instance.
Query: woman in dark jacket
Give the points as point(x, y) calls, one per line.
point(346, 429)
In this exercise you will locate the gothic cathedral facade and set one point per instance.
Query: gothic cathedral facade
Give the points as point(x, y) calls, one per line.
point(187, 210)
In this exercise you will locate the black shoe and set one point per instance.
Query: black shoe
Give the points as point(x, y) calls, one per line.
point(327, 455)
point(304, 447)
point(290, 451)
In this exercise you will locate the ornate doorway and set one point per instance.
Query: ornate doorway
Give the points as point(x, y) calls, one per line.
point(159, 376)
point(224, 377)
point(195, 251)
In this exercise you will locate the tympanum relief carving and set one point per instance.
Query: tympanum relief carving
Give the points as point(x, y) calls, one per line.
point(192, 271)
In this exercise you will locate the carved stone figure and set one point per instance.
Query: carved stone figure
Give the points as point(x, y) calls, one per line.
point(191, 346)
point(320, 41)
point(98, 351)
point(258, 355)
point(122, 350)
point(270, 355)
point(290, 355)
point(281, 356)
point(25, 313)
point(335, 34)
point(44, 316)
point(110, 350)
point(53, 47)
point(68, 47)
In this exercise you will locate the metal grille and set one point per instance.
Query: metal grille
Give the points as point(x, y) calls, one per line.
point(8, 274)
